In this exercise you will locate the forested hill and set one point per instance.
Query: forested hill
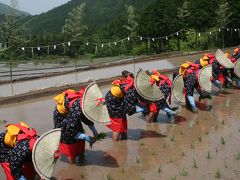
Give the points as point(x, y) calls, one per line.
point(5, 8)
point(99, 13)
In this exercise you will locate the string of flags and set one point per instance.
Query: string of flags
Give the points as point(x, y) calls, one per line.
point(121, 41)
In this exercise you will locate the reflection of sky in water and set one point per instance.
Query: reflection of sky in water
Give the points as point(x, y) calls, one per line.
point(22, 87)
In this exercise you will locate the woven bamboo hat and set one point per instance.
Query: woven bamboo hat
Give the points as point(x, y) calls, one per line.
point(237, 68)
point(223, 60)
point(45, 153)
point(94, 106)
point(204, 78)
point(178, 89)
point(145, 88)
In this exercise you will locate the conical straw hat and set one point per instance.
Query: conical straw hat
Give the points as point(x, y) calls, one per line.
point(45, 153)
point(93, 104)
point(237, 68)
point(178, 89)
point(223, 60)
point(204, 78)
point(144, 87)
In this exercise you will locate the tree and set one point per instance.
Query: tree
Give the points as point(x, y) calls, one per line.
point(74, 26)
point(222, 19)
point(10, 27)
point(223, 14)
point(132, 23)
point(183, 12)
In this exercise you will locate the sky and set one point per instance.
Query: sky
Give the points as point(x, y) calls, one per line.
point(36, 6)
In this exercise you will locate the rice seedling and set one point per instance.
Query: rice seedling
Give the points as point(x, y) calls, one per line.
point(195, 163)
point(222, 140)
point(223, 122)
point(109, 177)
point(208, 155)
point(159, 170)
point(183, 153)
point(137, 160)
point(101, 136)
point(206, 132)
point(183, 172)
point(216, 150)
point(181, 132)
point(122, 170)
point(218, 174)
point(82, 176)
point(172, 139)
point(164, 145)
point(142, 144)
point(225, 164)
point(174, 178)
point(237, 157)
point(192, 146)
point(199, 138)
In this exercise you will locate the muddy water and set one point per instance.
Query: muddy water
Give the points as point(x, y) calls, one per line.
point(73, 78)
point(153, 151)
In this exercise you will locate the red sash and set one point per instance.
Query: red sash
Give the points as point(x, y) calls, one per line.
point(27, 134)
point(73, 96)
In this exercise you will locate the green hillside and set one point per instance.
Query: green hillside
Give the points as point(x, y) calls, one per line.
point(5, 8)
point(99, 13)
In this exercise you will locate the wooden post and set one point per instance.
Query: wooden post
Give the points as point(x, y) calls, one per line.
point(11, 76)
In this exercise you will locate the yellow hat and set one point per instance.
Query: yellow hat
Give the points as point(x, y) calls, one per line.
point(236, 51)
point(60, 99)
point(155, 77)
point(227, 55)
point(205, 57)
point(11, 135)
point(204, 61)
point(116, 91)
point(23, 124)
point(184, 67)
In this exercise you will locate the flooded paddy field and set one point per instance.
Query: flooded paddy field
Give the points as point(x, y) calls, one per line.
point(196, 146)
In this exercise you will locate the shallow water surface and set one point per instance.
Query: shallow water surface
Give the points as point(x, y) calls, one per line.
point(196, 146)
